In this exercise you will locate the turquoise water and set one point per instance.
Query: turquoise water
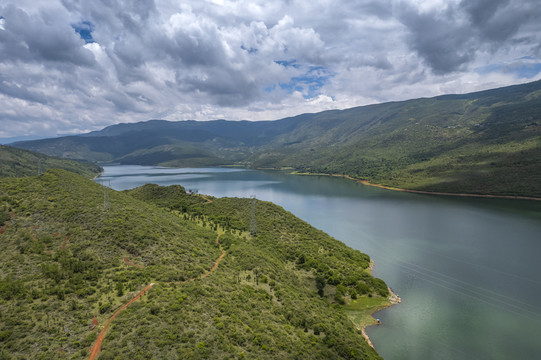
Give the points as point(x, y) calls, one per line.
point(467, 270)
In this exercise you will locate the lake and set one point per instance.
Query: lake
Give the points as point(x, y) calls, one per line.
point(468, 270)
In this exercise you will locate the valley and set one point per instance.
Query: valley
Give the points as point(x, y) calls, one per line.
point(487, 142)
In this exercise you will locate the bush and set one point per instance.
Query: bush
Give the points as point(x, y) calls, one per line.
point(4, 216)
point(104, 307)
point(381, 287)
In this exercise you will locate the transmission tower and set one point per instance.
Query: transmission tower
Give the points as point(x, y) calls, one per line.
point(253, 220)
point(106, 201)
point(40, 172)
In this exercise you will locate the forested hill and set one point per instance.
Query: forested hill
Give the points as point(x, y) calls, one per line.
point(17, 162)
point(73, 252)
point(168, 143)
point(486, 142)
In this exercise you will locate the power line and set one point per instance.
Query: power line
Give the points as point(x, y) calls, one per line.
point(106, 200)
point(40, 172)
point(253, 220)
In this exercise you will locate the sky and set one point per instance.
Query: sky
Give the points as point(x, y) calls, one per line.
point(73, 66)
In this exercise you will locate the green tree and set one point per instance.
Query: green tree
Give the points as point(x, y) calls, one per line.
point(320, 284)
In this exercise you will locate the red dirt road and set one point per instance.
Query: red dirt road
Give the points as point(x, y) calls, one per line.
point(97, 346)
point(215, 265)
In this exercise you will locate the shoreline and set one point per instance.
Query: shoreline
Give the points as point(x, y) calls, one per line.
point(393, 300)
point(97, 176)
point(385, 187)
point(424, 192)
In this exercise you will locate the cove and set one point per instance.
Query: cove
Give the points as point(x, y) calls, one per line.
point(468, 270)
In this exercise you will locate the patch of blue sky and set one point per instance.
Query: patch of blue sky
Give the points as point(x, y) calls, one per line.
point(524, 67)
point(288, 63)
point(250, 50)
point(309, 83)
point(84, 29)
point(270, 89)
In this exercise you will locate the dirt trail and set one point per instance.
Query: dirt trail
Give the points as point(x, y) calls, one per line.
point(97, 346)
point(206, 198)
point(65, 242)
point(217, 261)
point(131, 263)
point(215, 265)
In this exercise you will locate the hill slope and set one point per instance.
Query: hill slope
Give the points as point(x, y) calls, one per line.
point(184, 143)
point(17, 162)
point(487, 142)
point(70, 259)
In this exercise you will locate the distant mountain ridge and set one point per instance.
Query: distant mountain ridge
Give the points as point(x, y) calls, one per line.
point(153, 142)
point(487, 142)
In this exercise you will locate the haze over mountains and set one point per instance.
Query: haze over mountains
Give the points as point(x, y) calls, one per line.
point(486, 142)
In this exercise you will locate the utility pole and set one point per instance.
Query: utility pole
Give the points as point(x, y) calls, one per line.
point(39, 168)
point(106, 201)
point(253, 220)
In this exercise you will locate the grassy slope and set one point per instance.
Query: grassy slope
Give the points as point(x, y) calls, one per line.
point(17, 162)
point(66, 260)
point(488, 143)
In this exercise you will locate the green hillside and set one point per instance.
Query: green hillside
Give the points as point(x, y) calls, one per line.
point(73, 252)
point(484, 143)
point(183, 143)
point(487, 142)
point(17, 162)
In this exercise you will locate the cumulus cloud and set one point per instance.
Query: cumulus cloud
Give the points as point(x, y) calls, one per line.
point(68, 66)
point(453, 36)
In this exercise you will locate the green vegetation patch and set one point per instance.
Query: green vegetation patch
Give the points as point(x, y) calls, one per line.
point(17, 163)
point(360, 310)
point(74, 252)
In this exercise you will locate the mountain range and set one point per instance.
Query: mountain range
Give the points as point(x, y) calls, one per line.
point(486, 142)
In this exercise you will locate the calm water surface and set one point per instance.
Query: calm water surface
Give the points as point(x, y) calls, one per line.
point(468, 270)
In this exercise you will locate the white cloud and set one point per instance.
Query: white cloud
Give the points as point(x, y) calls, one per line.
point(248, 59)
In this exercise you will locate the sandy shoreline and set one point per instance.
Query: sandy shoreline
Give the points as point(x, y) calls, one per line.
point(368, 183)
point(97, 176)
point(393, 300)
point(508, 197)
